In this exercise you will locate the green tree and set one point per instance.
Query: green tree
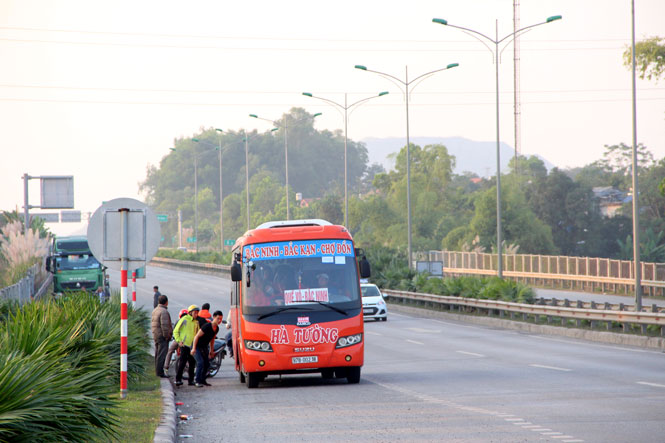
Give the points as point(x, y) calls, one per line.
point(649, 58)
point(520, 225)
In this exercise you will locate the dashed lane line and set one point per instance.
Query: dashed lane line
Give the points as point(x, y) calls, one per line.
point(415, 342)
point(507, 417)
point(645, 383)
point(473, 354)
point(554, 368)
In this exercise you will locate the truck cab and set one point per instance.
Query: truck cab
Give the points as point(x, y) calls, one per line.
point(73, 266)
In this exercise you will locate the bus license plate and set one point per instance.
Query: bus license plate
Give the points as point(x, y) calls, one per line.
point(300, 360)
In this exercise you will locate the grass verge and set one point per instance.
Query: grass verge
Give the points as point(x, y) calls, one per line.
point(139, 413)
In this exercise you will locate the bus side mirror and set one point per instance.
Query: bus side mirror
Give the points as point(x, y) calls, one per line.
point(48, 264)
point(365, 271)
point(236, 272)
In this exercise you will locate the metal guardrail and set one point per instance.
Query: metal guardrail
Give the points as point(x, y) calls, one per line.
point(594, 315)
point(578, 314)
point(24, 289)
point(547, 276)
point(208, 268)
point(585, 273)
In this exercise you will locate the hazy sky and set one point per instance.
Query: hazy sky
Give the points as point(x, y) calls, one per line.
point(99, 90)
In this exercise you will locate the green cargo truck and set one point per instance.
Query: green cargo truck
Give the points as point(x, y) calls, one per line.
point(73, 266)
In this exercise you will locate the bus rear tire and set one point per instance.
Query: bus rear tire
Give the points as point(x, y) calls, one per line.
point(353, 375)
point(253, 379)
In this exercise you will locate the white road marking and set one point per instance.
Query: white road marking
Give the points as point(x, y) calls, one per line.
point(473, 354)
point(448, 403)
point(650, 384)
point(572, 441)
point(433, 331)
point(554, 368)
point(372, 333)
point(415, 342)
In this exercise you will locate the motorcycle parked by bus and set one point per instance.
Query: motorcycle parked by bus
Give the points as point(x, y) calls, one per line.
point(215, 362)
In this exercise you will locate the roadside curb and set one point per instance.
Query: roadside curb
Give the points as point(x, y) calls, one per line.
point(166, 430)
point(581, 334)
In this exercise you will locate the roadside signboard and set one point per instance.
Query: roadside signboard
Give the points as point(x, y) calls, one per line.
point(70, 216)
point(57, 192)
point(162, 218)
point(105, 237)
point(52, 217)
point(191, 239)
point(229, 242)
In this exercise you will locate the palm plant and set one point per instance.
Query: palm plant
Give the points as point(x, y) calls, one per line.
point(59, 367)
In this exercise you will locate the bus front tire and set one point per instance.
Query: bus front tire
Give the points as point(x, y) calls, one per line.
point(353, 375)
point(241, 376)
point(253, 379)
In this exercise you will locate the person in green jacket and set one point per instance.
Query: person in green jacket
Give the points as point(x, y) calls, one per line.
point(183, 333)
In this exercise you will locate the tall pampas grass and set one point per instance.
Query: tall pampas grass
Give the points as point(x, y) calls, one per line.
point(18, 252)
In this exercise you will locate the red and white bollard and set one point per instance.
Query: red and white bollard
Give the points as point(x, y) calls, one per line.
point(123, 333)
point(134, 289)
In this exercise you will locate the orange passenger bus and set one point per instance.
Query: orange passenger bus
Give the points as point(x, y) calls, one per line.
point(295, 301)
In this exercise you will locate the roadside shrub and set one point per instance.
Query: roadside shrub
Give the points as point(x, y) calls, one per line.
point(19, 252)
point(59, 367)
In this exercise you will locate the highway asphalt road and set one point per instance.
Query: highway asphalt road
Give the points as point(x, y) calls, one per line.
point(431, 380)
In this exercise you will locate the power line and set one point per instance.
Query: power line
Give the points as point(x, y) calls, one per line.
point(100, 102)
point(269, 38)
point(302, 49)
point(244, 92)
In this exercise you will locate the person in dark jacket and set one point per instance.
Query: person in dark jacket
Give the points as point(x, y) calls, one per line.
point(162, 330)
point(155, 296)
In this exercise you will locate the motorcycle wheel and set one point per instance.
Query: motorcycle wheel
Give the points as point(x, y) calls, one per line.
point(215, 365)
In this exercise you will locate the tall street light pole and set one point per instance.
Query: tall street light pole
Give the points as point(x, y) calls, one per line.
point(285, 126)
point(246, 140)
point(219, 149)
point(496, 53)
point(221, 194)
point(636, 195)
point(406, 82)
point(196, 197)
point(345, 108)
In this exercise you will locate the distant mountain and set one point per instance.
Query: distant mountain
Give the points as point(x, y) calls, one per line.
point(474, 156)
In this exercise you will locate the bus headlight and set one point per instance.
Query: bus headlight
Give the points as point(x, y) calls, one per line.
point(348, 340)
point(255, 345)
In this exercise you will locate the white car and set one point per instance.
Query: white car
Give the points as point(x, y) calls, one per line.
point(374, 306)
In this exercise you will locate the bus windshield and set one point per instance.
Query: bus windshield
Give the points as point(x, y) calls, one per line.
point(77, 262)
point(307, 275)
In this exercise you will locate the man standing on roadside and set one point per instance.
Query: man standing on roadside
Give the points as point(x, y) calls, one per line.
point(184, 332)
point(162, 330)
point(155, 296)
point(202, 350)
